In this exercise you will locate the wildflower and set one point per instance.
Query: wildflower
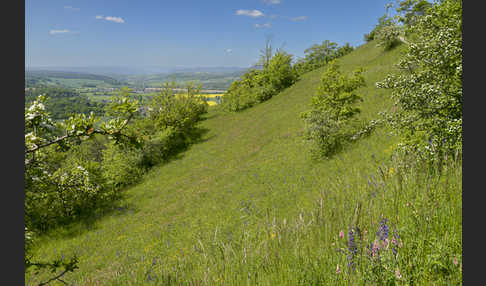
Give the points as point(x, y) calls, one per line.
point(272, 235)
point(397, 274)
point(341, 234)
point(383, 230)
point(337, 269)
point(391, 171)
point(352, 248)
point(375, 248)
point(455, 261)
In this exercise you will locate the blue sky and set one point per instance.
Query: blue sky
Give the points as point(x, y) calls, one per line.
point(184, 33)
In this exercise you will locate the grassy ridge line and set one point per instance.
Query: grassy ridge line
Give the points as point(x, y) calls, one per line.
point(253, 164)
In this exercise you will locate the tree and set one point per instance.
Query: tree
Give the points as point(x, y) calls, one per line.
point(329, 124)
point(51, 190)
point(319, 54)
point(428, 91)
point(411, 10)
point(267, 52)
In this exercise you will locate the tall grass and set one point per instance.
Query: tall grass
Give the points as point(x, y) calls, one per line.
point(420, 208)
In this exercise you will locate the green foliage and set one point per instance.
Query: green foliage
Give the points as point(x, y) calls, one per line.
point(329, 124)
point(159, 145)
point(257, 86)
point(411, 10)
point(122, 165)
point(319, 55)
point(242, 93)
point(370, 36)
point(428, 91)
point(64, 102)
point(169, 123)
point(179, 111)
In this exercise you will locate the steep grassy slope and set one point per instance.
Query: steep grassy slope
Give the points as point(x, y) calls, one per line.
point(229, 198)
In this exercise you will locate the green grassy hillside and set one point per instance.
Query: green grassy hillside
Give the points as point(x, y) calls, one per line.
point(248, 206)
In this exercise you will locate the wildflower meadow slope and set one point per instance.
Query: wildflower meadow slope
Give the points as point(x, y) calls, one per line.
point(249, 206)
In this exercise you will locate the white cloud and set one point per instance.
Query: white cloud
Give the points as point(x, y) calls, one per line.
point(53, 32)
point(110, 18)
point(300, 18)
point(115, 19)
point(71, 8)
point(271, 1)
point(253, 13)
point(266, 25)
point(228, 50)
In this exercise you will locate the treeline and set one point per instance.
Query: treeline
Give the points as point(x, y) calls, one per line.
point(77, 167)
point(320, 54)
point(277, 73)
point(64, 102)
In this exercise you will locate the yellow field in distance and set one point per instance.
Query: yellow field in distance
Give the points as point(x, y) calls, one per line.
point(213, 95)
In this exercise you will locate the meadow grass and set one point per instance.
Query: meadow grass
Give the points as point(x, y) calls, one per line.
point(249, 206)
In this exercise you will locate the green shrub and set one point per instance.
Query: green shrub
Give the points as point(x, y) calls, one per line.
point(370, 36)
point(121, 165)
point(257, 86)
point(179, 111)
point(331, 121)
point(160, 145)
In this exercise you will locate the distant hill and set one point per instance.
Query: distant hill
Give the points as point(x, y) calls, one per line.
point(46, 74)
point(73, 77)
point(208, 79)
point(115, 71)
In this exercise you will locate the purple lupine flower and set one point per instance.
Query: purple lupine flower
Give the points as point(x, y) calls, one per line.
point(352, 248)
point(383, 231)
